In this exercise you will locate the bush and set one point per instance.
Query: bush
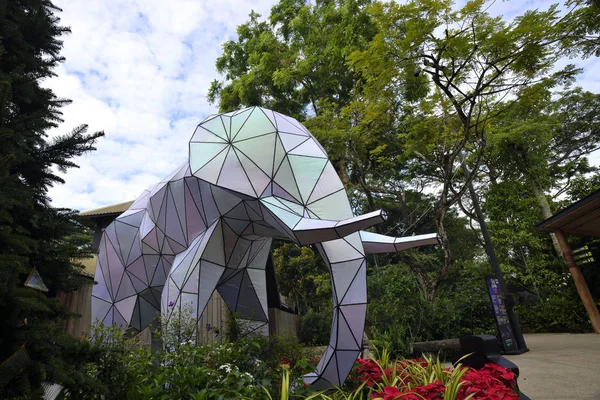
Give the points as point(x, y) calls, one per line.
point(399, 314)
point(123, 368)
point(315, 328)
point(558, 312)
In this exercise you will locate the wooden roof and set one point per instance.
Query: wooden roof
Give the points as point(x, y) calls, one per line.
point(108, 210)
point(581, 218)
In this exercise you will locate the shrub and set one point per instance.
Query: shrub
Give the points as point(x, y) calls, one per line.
point(315, 328)
point(558, 312)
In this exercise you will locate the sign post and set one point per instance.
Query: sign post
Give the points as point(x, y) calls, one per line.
point(504, 329)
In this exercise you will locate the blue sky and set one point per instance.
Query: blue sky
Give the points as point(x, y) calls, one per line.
point(140, 69)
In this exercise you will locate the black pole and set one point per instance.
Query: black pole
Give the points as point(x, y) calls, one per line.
point(489, 249)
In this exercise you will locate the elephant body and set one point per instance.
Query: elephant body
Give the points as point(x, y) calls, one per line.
point(252, 175)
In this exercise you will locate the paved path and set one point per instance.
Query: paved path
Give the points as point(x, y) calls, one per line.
point(560, 366)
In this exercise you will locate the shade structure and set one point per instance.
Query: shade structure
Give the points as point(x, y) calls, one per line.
point(581, 218)
point(252, 175)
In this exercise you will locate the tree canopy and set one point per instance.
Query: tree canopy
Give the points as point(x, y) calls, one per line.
point(402, 95)
point(33, 234)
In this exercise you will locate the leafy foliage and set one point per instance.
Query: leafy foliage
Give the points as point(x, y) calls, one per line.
point(415, 92)
point(125, 367)
point(32, 233)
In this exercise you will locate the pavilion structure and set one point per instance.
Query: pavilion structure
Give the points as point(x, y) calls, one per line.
point(581, 218)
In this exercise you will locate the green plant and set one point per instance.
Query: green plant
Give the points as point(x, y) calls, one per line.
point(179, 327)
point(112, 358)
point(556, 312)
point(315, 327)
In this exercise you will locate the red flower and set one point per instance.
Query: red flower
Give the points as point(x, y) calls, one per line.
point(388, 393)
point(492, 382)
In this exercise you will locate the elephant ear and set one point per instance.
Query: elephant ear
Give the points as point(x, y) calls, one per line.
point(235, 151)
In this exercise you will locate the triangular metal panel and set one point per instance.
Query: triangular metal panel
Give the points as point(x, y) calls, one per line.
point(260, 150)
point(100, 289)
point(279, 192)
point(173, 228)
point(285, 178)
point(126, 288)
point(234, 177)
point(335, 206)
point(309, 148)
point(345, 362)
point(211, 170)
point(343, 275)
point(238, 120)
point(339, 250)
point(126, 306)
point(138, 269)
point(131, 217)
point(229, 290)
point(202, 135)
point(329, 182)
point(357, 292)
point(238, 212)
point(355, 241)
point(355, 317)
point(248, 303)
point(279, 155)
point(258, 178)
point(214, 250)
point(224, 200)
point(285, 124)
point(257, 124)
point(215, 126)
point(135, 317)
point(345, 337)
point(291, 141)
point(99, 308)
point(147, 313)
point(306, 171)
point(259, 282)
point(194, 221)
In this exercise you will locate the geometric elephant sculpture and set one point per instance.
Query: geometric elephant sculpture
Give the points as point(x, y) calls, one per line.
point(252, 175)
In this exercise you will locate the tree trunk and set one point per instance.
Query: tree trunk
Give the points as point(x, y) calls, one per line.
point(429, 285)
point(540, 196)
point(440, 223)
point(580, 284)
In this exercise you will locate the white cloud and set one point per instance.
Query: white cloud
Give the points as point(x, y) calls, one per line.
point(140, 70)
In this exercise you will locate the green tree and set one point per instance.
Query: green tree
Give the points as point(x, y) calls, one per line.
point(302, 277)
point(543, 141)
point(295, 61)
point(581, 26)
point(472, 62)
point(296, 64)
point(32, 233)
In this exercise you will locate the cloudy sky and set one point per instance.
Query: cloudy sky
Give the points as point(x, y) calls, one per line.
point(140, 69)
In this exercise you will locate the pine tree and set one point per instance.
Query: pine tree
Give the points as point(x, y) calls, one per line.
point(33, 234)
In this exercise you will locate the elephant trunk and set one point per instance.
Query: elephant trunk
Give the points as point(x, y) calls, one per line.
point(310, 231)
point(346, 261)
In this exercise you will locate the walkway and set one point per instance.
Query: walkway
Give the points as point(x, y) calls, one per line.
point(560, 366)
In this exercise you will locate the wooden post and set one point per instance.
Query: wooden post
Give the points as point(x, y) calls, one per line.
point(582, 289)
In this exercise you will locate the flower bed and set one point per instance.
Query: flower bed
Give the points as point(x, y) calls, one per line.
point(427, 379)
point(266, 368)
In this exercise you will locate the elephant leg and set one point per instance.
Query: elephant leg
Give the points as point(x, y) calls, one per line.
point(194, 276)
point(243, 286)
point(130, 275)
point(347, 265)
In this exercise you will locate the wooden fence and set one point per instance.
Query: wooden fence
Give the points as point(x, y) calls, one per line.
point(212, 324)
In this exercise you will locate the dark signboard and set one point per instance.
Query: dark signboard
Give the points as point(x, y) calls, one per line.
point(502, 321)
